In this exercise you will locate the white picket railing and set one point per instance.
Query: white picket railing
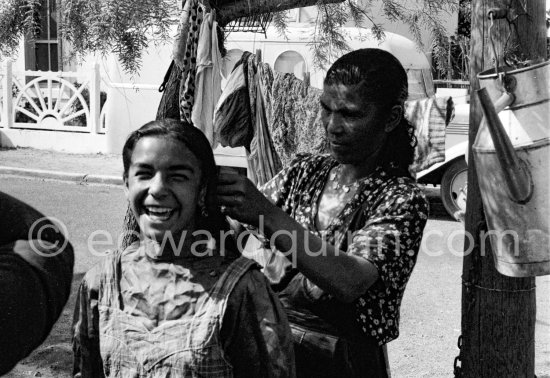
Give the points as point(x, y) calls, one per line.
point(47, 100)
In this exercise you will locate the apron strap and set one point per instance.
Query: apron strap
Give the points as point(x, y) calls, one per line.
point(224, 286)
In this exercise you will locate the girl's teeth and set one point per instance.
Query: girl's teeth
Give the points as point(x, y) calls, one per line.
point(159, 212)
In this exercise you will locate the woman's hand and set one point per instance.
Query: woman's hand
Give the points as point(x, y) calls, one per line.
point(344, 276)
point(241, 200)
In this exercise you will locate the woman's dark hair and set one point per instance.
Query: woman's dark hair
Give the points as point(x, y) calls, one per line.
point(383, 81)
point(196, 142)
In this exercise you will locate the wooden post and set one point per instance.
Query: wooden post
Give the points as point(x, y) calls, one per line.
point(498, 312)
point(95, 91)
point(7, 97)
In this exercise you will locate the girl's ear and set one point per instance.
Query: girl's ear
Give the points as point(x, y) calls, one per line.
point(396, 114)
point(202, 197)
point(126, 189)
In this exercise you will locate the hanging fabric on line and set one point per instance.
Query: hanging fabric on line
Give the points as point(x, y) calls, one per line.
point(208, 78)
point(242, 114)
point(263, 161)
point(185, 54)
point(292, 113)
point(233, 124)
point(430, 116)
point(290, 110)
point(295, 122)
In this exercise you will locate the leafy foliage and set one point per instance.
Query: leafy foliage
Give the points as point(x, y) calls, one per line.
point(280, 22)
point(123, 27)
point(17, 17)
point(329, 40)
point(452, 54)
point(126, 28)
point(453, 61)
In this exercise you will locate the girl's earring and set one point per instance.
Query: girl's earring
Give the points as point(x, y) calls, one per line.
point(204, 210)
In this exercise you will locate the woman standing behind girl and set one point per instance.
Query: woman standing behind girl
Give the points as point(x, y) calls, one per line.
point(177, 303)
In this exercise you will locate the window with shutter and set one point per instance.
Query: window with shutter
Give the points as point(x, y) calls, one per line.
point(43, 51)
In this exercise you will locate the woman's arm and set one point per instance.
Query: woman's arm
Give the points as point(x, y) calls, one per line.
point(36, 267)
point(87, 358)
point(35, 280)
point(255, 331)
point(25, 317)
point(344, 276)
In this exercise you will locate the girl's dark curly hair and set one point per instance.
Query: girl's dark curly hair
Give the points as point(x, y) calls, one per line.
point(384, 82)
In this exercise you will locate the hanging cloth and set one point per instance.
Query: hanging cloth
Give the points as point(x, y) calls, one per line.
point(185, 54)
point(208, 79)
point(241, 117)
point(295, 123)
point(263, 161)
point(180, 43)
point(233, 119)
point(429, 116)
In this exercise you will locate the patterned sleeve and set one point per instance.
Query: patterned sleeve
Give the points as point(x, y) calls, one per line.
point(391, 237)
point(255, 331)
point(281, 187)
point(87, 358)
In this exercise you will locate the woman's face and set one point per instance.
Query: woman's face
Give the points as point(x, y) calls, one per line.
point(164, 187)
point(354, 126)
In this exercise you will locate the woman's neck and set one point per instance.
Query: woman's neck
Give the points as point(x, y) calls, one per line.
point(353, 172)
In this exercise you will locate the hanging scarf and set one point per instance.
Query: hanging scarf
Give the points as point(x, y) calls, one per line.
point(185, 54)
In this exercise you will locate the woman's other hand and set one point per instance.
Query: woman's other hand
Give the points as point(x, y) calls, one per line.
point(241, 200)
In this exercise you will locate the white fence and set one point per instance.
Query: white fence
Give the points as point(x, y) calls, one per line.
point(71, 111)
point(60, 111)
point(57, 101)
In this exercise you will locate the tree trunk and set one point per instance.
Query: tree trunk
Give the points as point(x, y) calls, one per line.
point(498, 312)
point(230, 10)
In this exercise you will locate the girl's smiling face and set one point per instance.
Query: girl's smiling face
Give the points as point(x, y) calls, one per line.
point(163, 187)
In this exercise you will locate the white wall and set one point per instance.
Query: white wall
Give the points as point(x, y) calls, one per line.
point(133, 101)
point(71, 142)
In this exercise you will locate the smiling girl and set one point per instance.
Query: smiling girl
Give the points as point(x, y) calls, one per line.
point(175, 303)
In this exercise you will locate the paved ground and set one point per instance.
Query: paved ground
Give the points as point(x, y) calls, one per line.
point(98, 168)
point(431, 307)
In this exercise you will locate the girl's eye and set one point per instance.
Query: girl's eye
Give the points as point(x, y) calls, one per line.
point(180, 177)
point(143, 175)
